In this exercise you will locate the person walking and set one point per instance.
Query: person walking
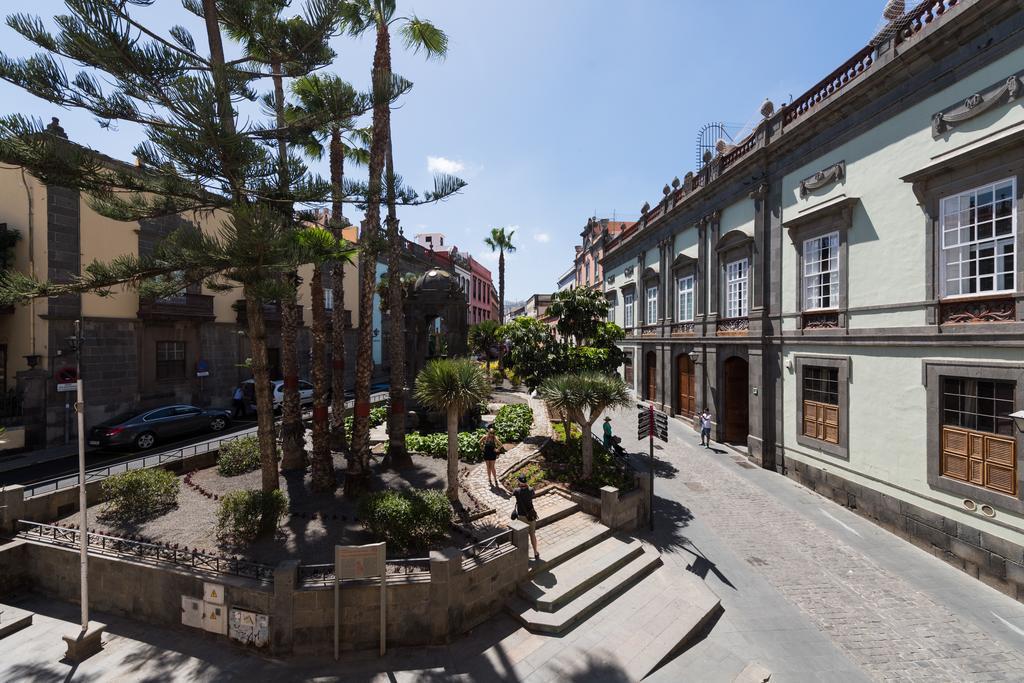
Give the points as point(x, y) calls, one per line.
point(608, 439)
point(238, 402)
point(705, 428)
point(490, 445)
point(524, 510)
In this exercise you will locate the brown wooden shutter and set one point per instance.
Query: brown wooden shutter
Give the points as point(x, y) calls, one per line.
point(821, 421)
point(987, 460)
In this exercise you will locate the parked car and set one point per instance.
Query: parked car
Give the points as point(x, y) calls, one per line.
point(145, 428)
point(277, 393)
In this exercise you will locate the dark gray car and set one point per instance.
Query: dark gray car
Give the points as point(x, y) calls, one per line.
point(144, 428)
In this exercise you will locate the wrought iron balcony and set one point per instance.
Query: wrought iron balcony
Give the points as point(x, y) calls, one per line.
point(732, 327)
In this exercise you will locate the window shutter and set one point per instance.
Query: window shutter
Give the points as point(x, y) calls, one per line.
point(983, 459)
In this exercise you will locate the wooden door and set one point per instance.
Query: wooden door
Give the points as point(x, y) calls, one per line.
point(652, 376)
point(736, 401)
point(686, 398)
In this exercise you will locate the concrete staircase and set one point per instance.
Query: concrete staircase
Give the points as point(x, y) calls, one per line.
point(612, 582)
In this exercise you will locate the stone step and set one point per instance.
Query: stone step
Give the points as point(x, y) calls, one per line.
point(567, 537)
point(555, 509)
point(13, 619)
point(588, 602)
point(551, 589)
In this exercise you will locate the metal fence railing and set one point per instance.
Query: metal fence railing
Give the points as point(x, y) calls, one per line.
point(480, 551)
point(142, 551)
point(150, 460)
point(323, 574)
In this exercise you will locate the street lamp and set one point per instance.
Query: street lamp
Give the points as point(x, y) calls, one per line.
point(694, 356)
point(1018, 420)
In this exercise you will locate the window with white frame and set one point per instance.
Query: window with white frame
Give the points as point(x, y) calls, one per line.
point(686, 298)
point(652, 305)
point(821, 272)
point(736, 289)
point(978, 233)
point(627, 309)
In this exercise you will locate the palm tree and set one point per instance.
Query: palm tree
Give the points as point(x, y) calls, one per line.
point(584, 397)
point(359, 16)
point(483, 337)
point(331, 100)
point(501, 242)
point(453, 386)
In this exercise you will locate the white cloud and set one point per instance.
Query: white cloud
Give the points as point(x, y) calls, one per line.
point(542, 237)
point(442, 165)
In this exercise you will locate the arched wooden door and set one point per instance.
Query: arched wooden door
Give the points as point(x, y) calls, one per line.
point(651, 365)
point(686, 386)
point(736, 406)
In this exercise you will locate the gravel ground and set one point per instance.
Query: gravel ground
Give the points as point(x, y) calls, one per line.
point(317, 522)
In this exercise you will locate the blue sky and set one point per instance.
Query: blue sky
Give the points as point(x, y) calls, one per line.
point(557, 110)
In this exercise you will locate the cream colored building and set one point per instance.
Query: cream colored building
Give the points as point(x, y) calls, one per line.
point(844, 288)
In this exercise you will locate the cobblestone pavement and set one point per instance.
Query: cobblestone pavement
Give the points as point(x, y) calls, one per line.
point(475, 481)
point(889, 628)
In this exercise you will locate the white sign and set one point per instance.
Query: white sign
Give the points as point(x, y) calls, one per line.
point(359, 562)
point(202, 374)
point(67, 386)
point(249, 628)
point(213, 593)
point(215, 619)
point(191, 612)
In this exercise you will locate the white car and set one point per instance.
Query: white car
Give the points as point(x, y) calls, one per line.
point(277, 395)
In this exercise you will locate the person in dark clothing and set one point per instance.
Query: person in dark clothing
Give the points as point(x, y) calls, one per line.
point(237, 402)
point(490, 444)
point(525, 511)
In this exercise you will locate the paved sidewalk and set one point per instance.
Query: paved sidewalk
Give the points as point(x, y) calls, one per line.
point(812, 591)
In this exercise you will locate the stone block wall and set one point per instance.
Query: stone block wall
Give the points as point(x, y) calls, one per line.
point(996, 562)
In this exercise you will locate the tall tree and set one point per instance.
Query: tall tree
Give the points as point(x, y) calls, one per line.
point(338, 103)
point(452, 386)
point(362, 16)
point(483, 337)
point(195, 160)
point(580, 312)
point(501, 242)
point(271, 40)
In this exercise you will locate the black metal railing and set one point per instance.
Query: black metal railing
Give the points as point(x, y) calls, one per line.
point(142, 551)
point(474, 553)
point(323, 574)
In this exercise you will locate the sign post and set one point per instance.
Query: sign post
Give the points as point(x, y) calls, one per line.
point(651, 423)
point(360, 562)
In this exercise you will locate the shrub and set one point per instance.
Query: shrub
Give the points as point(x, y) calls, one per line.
point(243, 515)
point(378, 416)
point(564, 463)
point(513, 422)
point(470, 448)
point(535, 474)
point(436, 445)
point(239, 456)
point(406, 519)
point(140, 494)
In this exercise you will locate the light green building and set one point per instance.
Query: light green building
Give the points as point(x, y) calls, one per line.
point(844, 290)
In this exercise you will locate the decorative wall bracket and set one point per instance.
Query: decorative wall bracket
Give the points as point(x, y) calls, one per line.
point(977, 104)
point(826, 176)
point(628, 273)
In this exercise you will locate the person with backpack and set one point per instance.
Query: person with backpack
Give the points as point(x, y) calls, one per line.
point(705, 428)
point(524, 510)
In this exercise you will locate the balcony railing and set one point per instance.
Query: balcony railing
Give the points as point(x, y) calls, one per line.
point(685, 329)
point(179, 307)
point(732, 327)
point(271, 313)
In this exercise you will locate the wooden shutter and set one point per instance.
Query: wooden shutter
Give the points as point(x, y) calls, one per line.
point(821, 421)
point(987, 460)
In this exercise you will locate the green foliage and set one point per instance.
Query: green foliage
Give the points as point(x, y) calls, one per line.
point(239, 456)
point(536, 474)
point(513, 422)
point(244, 515)
point(405, 520)
point(436, 445)
point(483, 337)
point(500, 240)
point(584, 396)
point(140, 494)
point(452, 384)
point(534, 350)
point(579, 311)
point(564, 463)
point(378, 416)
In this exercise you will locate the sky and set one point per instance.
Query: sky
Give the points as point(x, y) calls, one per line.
point(555, 110)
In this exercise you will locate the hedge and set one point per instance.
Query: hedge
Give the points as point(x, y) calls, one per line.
point(405, 520)
point(139, 494)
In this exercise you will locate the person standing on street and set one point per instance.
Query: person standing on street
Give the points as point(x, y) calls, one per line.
point(237, 402)
point(608, 441)
point(490, 444)
point(705, 428)
point(525, 511)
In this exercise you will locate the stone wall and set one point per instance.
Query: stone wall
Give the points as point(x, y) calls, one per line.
point(993, 560)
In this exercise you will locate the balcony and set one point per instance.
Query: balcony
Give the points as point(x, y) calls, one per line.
point(732, 327)
point(981, 309)
point(184, 307)
point(684, 329)
point(271, 314)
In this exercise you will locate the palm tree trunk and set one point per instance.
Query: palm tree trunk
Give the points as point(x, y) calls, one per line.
point(501, 307)
point(337, 164)
point(264, 402)
point(453, 456)
point(323, 464)
point(359, 463)
point(398, 456)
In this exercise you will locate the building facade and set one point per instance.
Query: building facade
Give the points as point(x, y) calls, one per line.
point(844, 289)
point(567, 280)
point(587, 264)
